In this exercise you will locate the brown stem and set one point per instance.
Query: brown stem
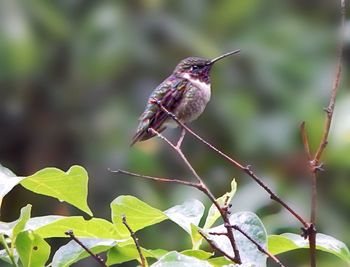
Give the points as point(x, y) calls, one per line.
point(305, 141)
point(260, 248)
point(136, 241)
point(312, 245)
point(214, 246)
point(158, 179)
point(95, 256)
point(314, 162)
point(178, 151)
point(246, 169)
point(313, 198)
point(330, 109)
point(202, 187)
point(311, 232)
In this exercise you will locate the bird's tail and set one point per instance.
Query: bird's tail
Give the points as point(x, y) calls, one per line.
point(144, 135)
point(137, 137)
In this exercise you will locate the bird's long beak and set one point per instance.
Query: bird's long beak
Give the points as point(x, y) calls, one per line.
point(224, 55)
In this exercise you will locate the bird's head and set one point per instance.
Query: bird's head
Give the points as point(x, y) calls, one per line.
point(198, 68)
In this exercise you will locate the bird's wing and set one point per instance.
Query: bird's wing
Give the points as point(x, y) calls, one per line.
point(169, 93)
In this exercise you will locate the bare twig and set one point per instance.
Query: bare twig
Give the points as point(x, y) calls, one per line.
point(202, 187)
point(314, 162)
point(178, 151)
point(260, 248)
point(330, 108)
point(158, 179)
point(305, 141)
point(247, 169)
point(95, 256)
point(216, 233)
point(312, 229)
point(136, 241)
point(214, 246)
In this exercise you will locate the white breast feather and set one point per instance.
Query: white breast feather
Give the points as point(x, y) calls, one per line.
point(205, 87)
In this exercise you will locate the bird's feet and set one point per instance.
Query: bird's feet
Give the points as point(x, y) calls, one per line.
point(182, 136)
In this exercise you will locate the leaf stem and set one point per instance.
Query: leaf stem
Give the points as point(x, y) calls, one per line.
point(8, 250)
point(95, 256)
point(144, 262)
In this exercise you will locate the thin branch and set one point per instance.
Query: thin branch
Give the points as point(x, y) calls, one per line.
point(178, 151)
point(202, 187)
point(313, 198)
point(260, 248)
point(157, 179)
point(246, 169)
point(305, 141)
point(214, 246)
point(95, 256)
point(314, 163)
point(8, 250)
point(217, 233)
point(136, 241)
point(311, 233)
point(330, 109)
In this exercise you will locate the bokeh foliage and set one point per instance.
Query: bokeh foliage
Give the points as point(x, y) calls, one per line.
point(74, 76)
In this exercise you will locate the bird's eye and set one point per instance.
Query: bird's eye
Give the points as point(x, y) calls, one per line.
point(194, 67)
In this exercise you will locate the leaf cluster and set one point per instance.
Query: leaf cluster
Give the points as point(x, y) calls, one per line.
point(24, 241)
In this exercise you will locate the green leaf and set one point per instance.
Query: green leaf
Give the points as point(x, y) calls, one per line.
point(5, 257)
point(278, 244)
point(31, 224)
point(70, 186)
point(8, 180)
point(21, 222)
point(72, 252)
point(32, 249)
point(41, 221)
point(288, 241)
point(175, 259)
point(196, 237)
point(121, 254)
point(213, 213)
point(56, 226)
point(250, 224)
point(95, 227)
point(220, 261)
point(199, 254)
point(190, 212)
point(138, 214)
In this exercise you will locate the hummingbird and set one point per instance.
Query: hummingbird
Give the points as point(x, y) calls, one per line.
point(185, 93)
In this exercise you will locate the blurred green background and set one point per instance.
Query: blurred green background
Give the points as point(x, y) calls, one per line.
point(75, 75)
